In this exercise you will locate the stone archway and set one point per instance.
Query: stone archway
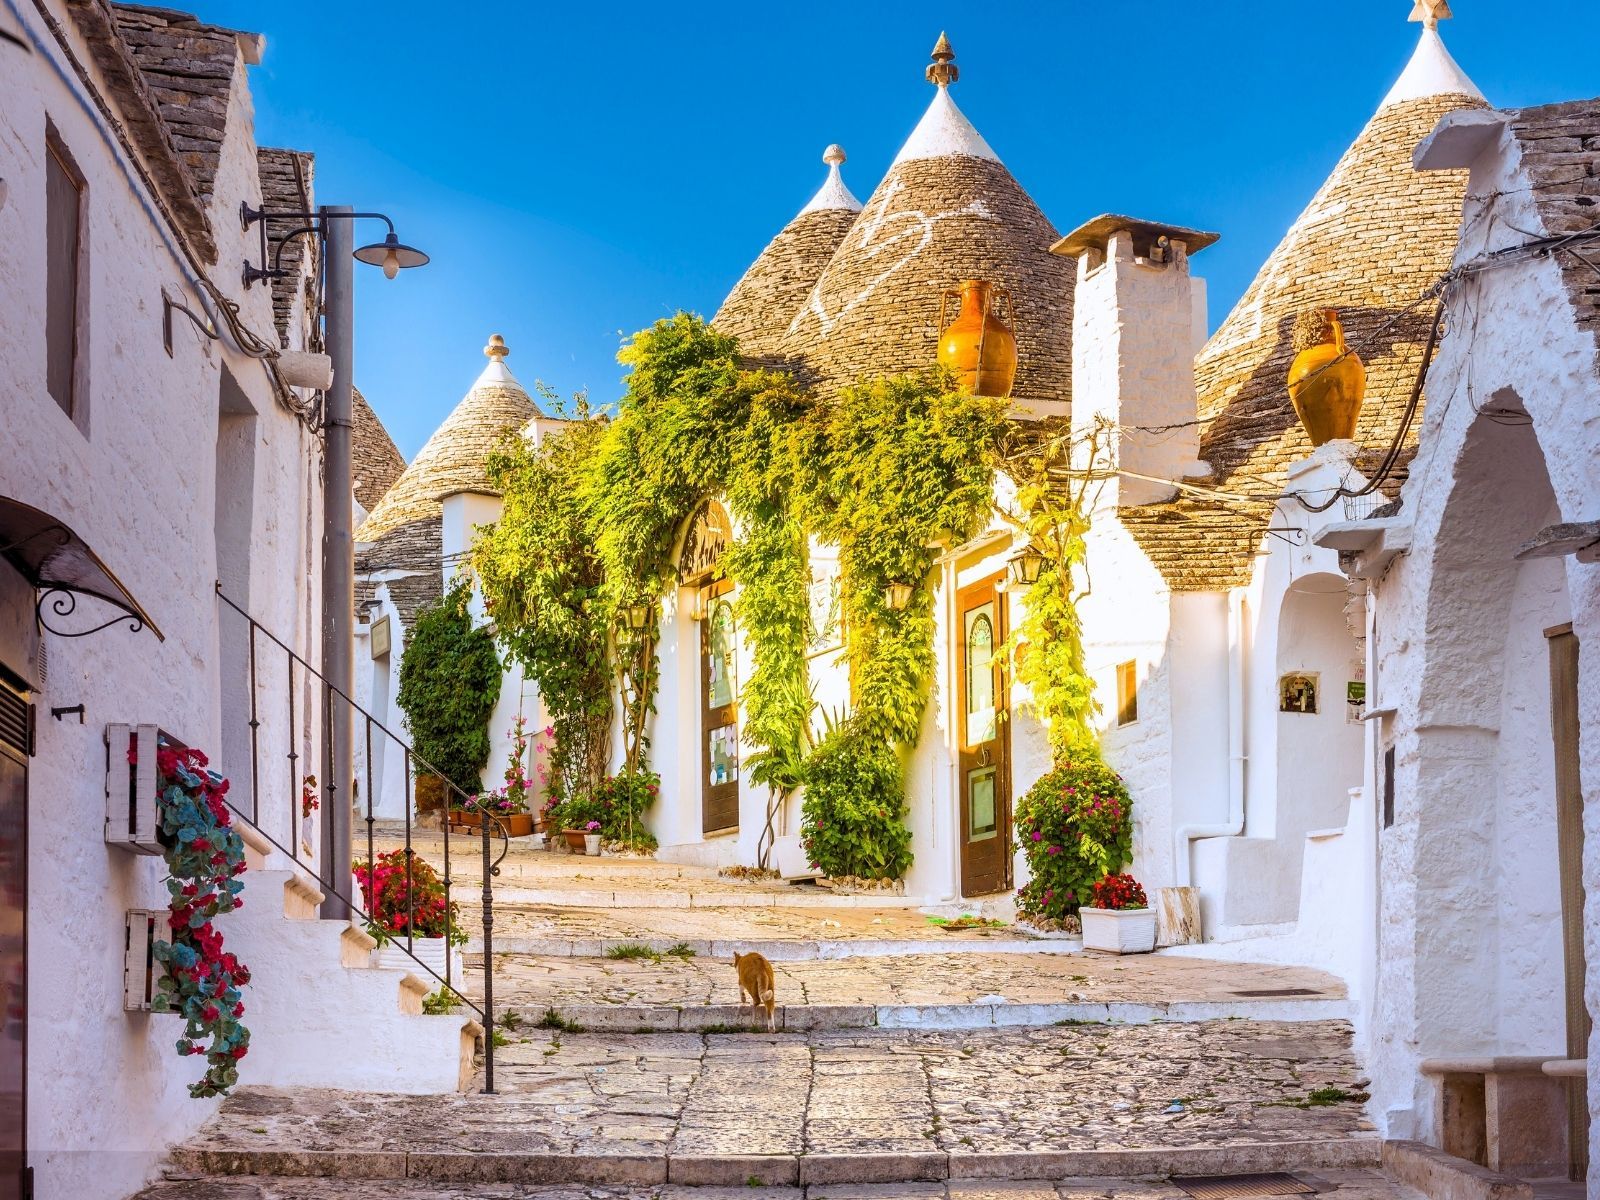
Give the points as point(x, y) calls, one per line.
point(1479, 827)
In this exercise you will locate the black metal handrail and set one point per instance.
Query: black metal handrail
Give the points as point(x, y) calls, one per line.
point(326, 873)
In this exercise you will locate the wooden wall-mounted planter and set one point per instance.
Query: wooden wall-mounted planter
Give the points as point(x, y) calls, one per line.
point(140, 970)
point(132, 822)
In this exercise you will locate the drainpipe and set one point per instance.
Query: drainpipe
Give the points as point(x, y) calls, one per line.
point(1238, 667)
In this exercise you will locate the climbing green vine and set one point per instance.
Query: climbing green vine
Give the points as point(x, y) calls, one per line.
point(592, 519)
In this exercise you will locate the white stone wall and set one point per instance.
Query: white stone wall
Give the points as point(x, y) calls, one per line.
point(107, 1092)
point(1457, 653)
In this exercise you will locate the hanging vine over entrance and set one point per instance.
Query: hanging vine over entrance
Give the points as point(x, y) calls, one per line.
point(885, 470)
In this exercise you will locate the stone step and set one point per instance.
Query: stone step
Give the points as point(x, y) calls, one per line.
point(724, 1018)
point(1340, 1183)
point(785, 1170)
point(690, 897)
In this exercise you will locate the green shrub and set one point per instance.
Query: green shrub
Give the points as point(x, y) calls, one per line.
point(853, 819)
point(1075, 826)
point(449, 681)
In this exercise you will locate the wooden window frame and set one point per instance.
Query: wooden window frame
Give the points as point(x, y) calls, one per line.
point(1127, 692)
point(75, 403)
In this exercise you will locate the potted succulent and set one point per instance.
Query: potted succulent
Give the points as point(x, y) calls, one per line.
point(1121, 920)
point(406, 908)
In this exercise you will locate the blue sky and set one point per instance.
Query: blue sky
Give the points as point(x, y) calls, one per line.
point(578, 170)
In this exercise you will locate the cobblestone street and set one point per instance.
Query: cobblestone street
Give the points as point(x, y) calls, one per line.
point(913, 1104)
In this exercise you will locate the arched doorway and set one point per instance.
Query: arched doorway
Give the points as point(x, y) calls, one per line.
point(1484, 827)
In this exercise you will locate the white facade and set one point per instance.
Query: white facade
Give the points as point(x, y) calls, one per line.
point(180, 471)
point(1470, 957)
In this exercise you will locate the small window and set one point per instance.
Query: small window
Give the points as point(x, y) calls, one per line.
point(1388, 787)
point(1127, 692)
point(63, 254)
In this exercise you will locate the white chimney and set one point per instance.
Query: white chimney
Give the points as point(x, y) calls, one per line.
point(1138, 317)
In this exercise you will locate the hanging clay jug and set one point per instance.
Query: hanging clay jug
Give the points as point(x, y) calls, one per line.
point(1326, 379)
point(978, 345)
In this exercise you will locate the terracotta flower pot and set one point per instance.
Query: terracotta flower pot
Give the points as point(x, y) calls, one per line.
point(517, 824)
point(465, 819)
point(575, 839)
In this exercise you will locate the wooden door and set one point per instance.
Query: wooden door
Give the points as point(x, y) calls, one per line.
point(719, 723)
point(1569, 851)
point(985, 741)
point(14, 747)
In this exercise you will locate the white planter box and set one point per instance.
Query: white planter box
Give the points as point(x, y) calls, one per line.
point(140, 970)
point(1120, 931)
point(429, 951)
point(131, 818)
point(591, 844)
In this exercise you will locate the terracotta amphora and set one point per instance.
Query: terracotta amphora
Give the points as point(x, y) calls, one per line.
point(1327, 380)
point(979, 345)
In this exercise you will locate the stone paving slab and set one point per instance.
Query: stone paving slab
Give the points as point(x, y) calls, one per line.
point(876, 1104)
point(1364, 1184)
point(923, 991)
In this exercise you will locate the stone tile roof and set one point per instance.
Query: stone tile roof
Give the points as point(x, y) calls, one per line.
point(404, 526)
point(177, 190)
point(188, 67)
point(286, 185)
point(761, 305)
point(948, 210)
point(1561, 153)
point(1375, 237)
point(377, 463)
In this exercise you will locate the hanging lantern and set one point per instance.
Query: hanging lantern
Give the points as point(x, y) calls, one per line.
point(978, 345)
point(638, 615)
point(1027, 566)
point(897, 596)
point(1327, 380)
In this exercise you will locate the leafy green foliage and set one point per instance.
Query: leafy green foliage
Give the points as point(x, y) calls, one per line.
point(449, 682)
point(1047, 643)
point(905, 462)
point(852, 821)
point(1075, 826)
point(542, 583)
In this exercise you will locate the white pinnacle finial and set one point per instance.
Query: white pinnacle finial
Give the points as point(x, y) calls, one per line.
point(1431, 12)
point(833, 193)
point(497, 349)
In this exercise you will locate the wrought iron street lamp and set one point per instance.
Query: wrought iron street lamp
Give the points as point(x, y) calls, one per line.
point(332, 225)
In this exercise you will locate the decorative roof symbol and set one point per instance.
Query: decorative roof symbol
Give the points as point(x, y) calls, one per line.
point(943, 70)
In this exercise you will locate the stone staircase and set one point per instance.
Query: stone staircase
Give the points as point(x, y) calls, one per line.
point(320, 1014)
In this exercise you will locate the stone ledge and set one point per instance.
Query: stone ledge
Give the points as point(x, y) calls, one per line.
point(1442, 1176)
point(785, 1170)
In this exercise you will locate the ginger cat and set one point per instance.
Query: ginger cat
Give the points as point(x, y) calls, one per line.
point(755, 980)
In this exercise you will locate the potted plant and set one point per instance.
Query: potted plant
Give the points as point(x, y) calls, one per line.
point(591, 839)
point(577, 815)
point(1121, 920)
point(404, 900)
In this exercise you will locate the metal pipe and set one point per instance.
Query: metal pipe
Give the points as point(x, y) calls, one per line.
point(338, 546)
point(1238, 744)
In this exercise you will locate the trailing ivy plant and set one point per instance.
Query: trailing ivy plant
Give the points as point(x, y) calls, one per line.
point(905, 462)
point(449, 682)
point(542, 583)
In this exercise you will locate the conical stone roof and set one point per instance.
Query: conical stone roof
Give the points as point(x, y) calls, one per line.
point(759, 308)
point(377, 462)
point(403, 531)
point(1374, 238)
point(947, 210)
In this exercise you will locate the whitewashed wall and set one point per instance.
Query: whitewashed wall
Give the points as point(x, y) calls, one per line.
point(107, 1092)
point(1457, 653)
